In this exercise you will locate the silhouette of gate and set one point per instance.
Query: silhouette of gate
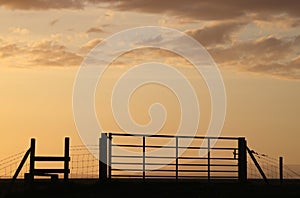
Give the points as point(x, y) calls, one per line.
point(183, 157)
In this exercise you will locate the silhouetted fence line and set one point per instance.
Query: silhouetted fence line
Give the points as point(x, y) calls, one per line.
point(83, 162)
point(221, 162)
point(9, 165)
point(271, 167)
point(290, 174)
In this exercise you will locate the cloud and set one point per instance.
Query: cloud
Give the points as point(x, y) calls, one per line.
point(218, 33)
point(290, 70)
point(147, 55)
point(210, 9)
point(41, 4)
point(282, 21)
point(89, 45)
point(266, 55)
point(48, 53)
point(297, 41)
point(53, 22)
point(9, 50)
point(261, 49)
point(17, 30)
point(295, 63)
point(43, 53)
point(270, 55)
point(200, 10)
point(94, 30)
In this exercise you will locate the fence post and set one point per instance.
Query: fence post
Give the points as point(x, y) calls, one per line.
point(144, 157)
point(208, 159)
point(67, 158)
point(32, 155)
point(281, 169)
point(103, 157)
point(176, 158)
point(21, 165)
point(242, 160)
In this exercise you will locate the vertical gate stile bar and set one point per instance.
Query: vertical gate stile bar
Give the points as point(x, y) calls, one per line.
point(67, 158)
point(144, 157)
point(176, 158)
point(109, 155)
point(99, 155)
point(208, 159)
point(99, 149)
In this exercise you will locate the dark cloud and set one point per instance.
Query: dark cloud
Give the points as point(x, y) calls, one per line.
point(220, 33)
point(297, 41)
point(204, 9)
point(190, 8)
point(281, 21)
point(211, 9)
point(268, 55)
point(94, 30)
point(262, 49)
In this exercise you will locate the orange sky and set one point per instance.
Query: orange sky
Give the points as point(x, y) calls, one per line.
point(256, 46)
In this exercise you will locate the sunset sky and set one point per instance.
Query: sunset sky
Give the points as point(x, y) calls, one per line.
point(256, 45)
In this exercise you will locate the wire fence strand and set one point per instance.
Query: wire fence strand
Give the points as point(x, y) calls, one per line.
point(270, 166)
point(85, 164)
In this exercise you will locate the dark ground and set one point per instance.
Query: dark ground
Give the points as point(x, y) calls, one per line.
point(94, 188)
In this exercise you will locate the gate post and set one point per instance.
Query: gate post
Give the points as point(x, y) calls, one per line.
point(144, 158)
point(103, 157)
point(242, 159)
point(32, 156)
point(281, 169)
point(67, 158)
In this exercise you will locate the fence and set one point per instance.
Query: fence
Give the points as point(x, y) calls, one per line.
point(85, 164)
point(274, 168)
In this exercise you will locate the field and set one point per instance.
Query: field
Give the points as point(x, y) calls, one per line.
point(153, 188)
